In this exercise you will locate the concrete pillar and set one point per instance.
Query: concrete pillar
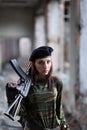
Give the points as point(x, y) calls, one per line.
point(25, 47)
point(73, 54)
point(83, 47)
point(0, 57)
point(40, 35)
point(55, 32)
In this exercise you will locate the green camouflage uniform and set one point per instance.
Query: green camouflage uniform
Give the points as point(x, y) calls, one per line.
point(42, 108)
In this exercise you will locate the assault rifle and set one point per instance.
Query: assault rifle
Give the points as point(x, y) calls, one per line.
point(22, 92)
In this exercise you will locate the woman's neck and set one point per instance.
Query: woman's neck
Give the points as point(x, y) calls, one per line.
point(40, 77)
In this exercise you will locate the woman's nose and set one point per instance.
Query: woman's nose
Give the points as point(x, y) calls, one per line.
point(45, 65)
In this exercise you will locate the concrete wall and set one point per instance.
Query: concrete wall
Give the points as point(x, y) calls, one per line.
point(16, 22)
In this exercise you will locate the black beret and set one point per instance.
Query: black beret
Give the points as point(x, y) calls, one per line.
point(41, 52)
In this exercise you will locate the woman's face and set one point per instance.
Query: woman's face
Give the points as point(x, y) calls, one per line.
point(43, 66)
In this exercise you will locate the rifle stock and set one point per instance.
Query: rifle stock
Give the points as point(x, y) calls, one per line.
point(13, 109)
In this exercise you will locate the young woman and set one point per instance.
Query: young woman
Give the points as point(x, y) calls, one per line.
point(42, 109)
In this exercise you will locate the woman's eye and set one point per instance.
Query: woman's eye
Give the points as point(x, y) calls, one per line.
point(48, 61)
point(40, 62)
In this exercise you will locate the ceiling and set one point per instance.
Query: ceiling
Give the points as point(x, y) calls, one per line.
point(20, 3)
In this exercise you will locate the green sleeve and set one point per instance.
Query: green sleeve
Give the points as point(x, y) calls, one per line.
point(23, 110)
point(59, 109)
point(23, 114)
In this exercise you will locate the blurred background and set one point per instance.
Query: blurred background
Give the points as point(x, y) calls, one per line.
point(61, 24)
